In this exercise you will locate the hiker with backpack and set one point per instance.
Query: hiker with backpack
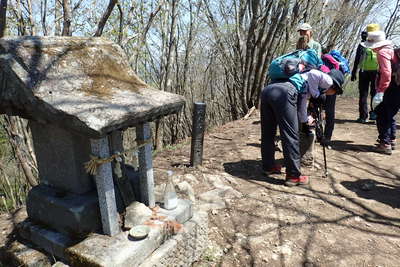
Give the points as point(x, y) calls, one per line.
point(291, 75)
point(387, 97)
point(330, 63)
point(367, 63)
point(305, 29)
point(344, 65)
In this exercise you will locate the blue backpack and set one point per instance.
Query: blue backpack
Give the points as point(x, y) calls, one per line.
point(286, 67)
point(344, 65)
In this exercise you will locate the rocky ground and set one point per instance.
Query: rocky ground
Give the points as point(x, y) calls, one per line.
point(350, 218)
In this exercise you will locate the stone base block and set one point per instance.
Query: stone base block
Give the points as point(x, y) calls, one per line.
point(19, 254)
point(71, 214)
point(184, 248)
point(52, 242)
point(122, 251)
point(182, 213)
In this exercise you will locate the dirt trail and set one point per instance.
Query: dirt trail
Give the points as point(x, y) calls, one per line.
point(351, 218)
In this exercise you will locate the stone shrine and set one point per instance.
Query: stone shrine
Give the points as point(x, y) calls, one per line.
point(79, 94)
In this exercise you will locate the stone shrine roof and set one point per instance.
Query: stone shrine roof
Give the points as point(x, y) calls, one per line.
point(80, 84)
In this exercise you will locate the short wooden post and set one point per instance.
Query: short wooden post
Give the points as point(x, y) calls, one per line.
point(198, 127)
point(143, 134)
point(105, 188)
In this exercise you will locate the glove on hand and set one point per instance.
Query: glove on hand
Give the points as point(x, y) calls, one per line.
point(378, 98)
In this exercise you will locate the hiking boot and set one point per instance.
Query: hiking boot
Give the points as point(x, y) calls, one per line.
point(277, 169)
point(359, 120)
point(292, 181)
point(384, 149)
point(372, 116)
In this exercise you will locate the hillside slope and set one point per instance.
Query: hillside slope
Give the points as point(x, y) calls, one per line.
point(351, 218)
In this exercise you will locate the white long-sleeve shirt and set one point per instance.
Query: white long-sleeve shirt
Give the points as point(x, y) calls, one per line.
point(315, 79)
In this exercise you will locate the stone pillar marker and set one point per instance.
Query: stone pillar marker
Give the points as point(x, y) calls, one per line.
point(105, 188)
point(143, 134)
point(198, 128)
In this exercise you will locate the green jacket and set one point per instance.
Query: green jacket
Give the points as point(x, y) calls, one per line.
point(316, 46)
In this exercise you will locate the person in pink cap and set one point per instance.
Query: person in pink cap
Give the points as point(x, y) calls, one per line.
point(387, 98)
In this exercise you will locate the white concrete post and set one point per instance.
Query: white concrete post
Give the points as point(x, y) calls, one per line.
point(143, 133)
point(105, 188)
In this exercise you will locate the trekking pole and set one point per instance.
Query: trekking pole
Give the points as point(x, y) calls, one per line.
point(319, 114)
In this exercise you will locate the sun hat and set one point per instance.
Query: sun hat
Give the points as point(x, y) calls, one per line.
point(376, 39)
point(304, 27)
point(373, 27)
point(337, 77)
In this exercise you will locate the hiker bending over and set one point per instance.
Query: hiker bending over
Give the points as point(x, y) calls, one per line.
point(306, 29)
point(367, 62)
point(279, 107)
point(387, 96)
point(332, 83)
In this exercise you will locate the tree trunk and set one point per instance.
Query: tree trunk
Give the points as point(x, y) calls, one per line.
point(43, 10)
point(67, 18)
point(57, 15)
point(16, 139)
point(31, 19)
point(3, 16)
point(104, 18)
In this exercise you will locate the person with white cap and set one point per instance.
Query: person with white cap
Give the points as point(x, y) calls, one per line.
point(306, 29)
point(387, 98)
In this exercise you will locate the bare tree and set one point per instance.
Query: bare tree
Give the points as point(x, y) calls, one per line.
point(393, 21)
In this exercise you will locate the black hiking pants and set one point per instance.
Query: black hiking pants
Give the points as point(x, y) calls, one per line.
point(366, 84)
point(386, 112)
point(279, 107)
point(329, 107)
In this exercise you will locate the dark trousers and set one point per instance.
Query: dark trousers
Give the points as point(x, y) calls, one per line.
point(366, 83)
point(330, 105)
point(279, 107)
point(386, 111)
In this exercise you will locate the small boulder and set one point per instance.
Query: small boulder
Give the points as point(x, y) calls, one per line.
point(187, 189)
point(137, 213)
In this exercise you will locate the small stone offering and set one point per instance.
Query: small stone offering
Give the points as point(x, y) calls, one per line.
point(139, 232)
